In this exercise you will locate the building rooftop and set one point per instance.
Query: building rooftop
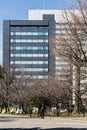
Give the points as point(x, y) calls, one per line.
point(58, 14)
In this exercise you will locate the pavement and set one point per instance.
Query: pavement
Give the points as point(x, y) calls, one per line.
point(11, 122)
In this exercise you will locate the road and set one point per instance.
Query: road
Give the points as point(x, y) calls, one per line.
point(11, 122)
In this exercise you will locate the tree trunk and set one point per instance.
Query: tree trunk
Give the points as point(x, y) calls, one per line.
point(57, 108)
point(76, 89)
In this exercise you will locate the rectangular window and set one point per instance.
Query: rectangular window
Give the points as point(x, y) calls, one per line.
point(29, 40)
point(32, 69)
point(33, 76)
point(29, 48)
point(28, 55)
point(29, 62)
point(29, 33)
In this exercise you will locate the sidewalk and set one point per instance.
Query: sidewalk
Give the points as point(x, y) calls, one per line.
point(51, 123)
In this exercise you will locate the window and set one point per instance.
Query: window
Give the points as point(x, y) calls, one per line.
point(29, 62)
point(29, 40)
point(33, 76)
point(32, 69)
point(29, 33)
point(28, 55)
point(39, 77)
point(29, 48)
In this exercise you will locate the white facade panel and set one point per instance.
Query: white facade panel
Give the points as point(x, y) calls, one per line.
point(38, 14)
point(59, 14)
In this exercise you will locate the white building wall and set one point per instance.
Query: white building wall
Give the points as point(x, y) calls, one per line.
point(59, 14)
point(38, 14)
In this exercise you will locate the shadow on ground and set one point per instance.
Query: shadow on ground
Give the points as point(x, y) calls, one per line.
point(43, 129)
point(10, 118)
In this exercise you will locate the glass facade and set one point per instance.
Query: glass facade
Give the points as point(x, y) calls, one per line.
point(29, 33)
point(28, 62)
point(29, 47)
point(32, 69)
point(28, 55)
point(26, 44)
point(28, 40)
point(33, 76)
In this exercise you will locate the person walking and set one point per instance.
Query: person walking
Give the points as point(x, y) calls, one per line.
point(42, 113)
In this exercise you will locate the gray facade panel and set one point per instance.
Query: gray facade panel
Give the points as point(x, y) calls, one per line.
point(29, 44)
point(29, 51)
point(29, 66)
point(10, 40)
point(29, 22)
point(29, 59)
point(30, 37)
point(6, 43)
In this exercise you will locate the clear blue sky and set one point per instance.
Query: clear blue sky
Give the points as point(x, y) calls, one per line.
point(18, 9)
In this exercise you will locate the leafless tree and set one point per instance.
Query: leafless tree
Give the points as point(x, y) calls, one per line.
point(49, 92)
point(71, 46)
point(60, 92)
point(22, 89)
point(6, 90)
point(39, 94)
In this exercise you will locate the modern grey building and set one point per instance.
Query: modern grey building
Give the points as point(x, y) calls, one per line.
point(26, 46)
